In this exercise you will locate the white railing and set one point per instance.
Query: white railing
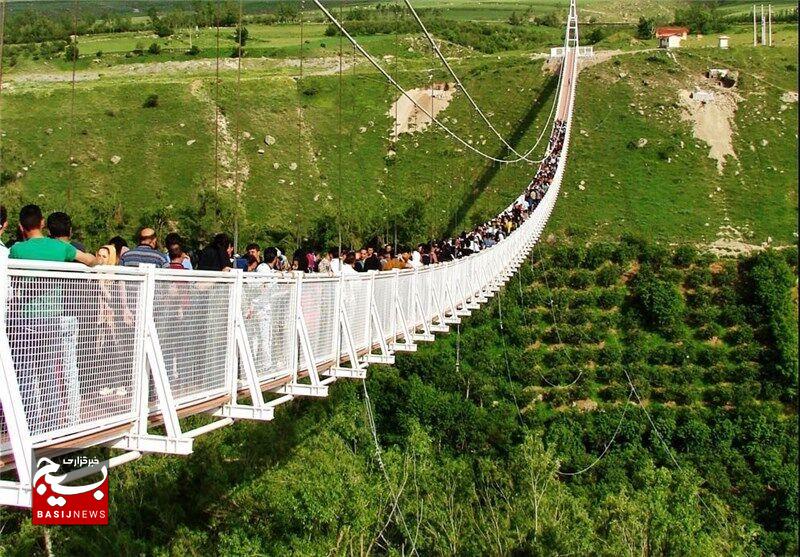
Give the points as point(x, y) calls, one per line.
point(99, 356)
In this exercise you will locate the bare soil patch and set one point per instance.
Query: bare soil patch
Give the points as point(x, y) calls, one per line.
point(712, 122)
point(410, 119)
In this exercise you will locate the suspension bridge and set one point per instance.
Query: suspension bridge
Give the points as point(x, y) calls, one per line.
point(232, 346)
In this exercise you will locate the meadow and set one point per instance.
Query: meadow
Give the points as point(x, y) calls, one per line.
point(432, 186)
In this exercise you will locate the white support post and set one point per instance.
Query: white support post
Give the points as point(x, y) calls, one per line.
point(240, 354)
point(174, 442)
point(300, 336)
point(13, 493)
point(426, 335)
point(441, 326)
point(405, 330)
point(770, 25)
point(385, 357)
point(342, 333)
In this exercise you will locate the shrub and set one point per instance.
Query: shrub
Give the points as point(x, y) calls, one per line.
point(154, 48)
point(660, 304)
point(611, 298)
point(597, 254)
point(151, 101)
point(684, 256)
point(791, 257)
point(555, 278)
point(645, 29)
point(742, 334)
point(675, 276)
point(240, 35)
point(608, 275)
point(194, 50)
point(568, 256)
point(581, 279)
point(71, 52)
point(698, 277)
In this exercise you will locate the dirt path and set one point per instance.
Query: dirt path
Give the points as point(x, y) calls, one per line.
point(312, 66)
point(232, 177)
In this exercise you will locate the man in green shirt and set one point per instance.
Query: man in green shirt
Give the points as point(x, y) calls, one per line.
point(36, 246)
point(44, 336)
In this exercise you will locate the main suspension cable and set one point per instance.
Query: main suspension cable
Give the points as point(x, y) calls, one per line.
point(425, 111)
point(216, 105)
point(447, 65)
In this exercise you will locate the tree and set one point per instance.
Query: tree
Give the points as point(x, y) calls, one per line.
point(646, 28)
point(514, 19)
point(659, 302)
point(71, 53)
point(240, 35)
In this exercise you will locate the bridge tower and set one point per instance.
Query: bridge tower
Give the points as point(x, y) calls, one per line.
point(572, 25)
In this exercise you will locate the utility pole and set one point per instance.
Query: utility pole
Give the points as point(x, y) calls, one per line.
point(755, 27)
point(770, 25)
point(763, 27)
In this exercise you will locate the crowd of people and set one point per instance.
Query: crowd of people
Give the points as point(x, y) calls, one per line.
point(59, 246)
point(68, 337)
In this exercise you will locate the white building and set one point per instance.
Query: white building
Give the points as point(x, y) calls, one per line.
point(671, 37)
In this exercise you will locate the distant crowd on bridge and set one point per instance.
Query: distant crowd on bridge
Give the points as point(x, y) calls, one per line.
point(59, 246)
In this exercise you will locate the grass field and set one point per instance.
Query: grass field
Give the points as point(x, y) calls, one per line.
point(683, 198)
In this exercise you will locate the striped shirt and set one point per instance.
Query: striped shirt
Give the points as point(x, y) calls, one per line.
point(144, 254)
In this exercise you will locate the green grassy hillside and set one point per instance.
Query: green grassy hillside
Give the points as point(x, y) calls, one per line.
point(175, 171)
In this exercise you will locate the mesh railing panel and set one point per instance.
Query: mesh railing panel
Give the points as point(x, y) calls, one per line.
point(267, 309)
point(424, 291)
point(73, 344)
point(318, 303)
point(383, 300)
point(405, 293)
point(356, 300)
point(191, 317)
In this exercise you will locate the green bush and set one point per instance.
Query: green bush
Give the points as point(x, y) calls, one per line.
point(684, 256)
point(767, 281)
point(608, 275)
point(659, 303)
point(151, 101)
point(697, 277)
point(568, 256)
point(71, 52)
point(597, 254)
point(611, 297)
point(154, 48)
point(580, 279)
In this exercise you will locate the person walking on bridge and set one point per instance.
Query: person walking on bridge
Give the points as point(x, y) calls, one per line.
point(145, 252)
